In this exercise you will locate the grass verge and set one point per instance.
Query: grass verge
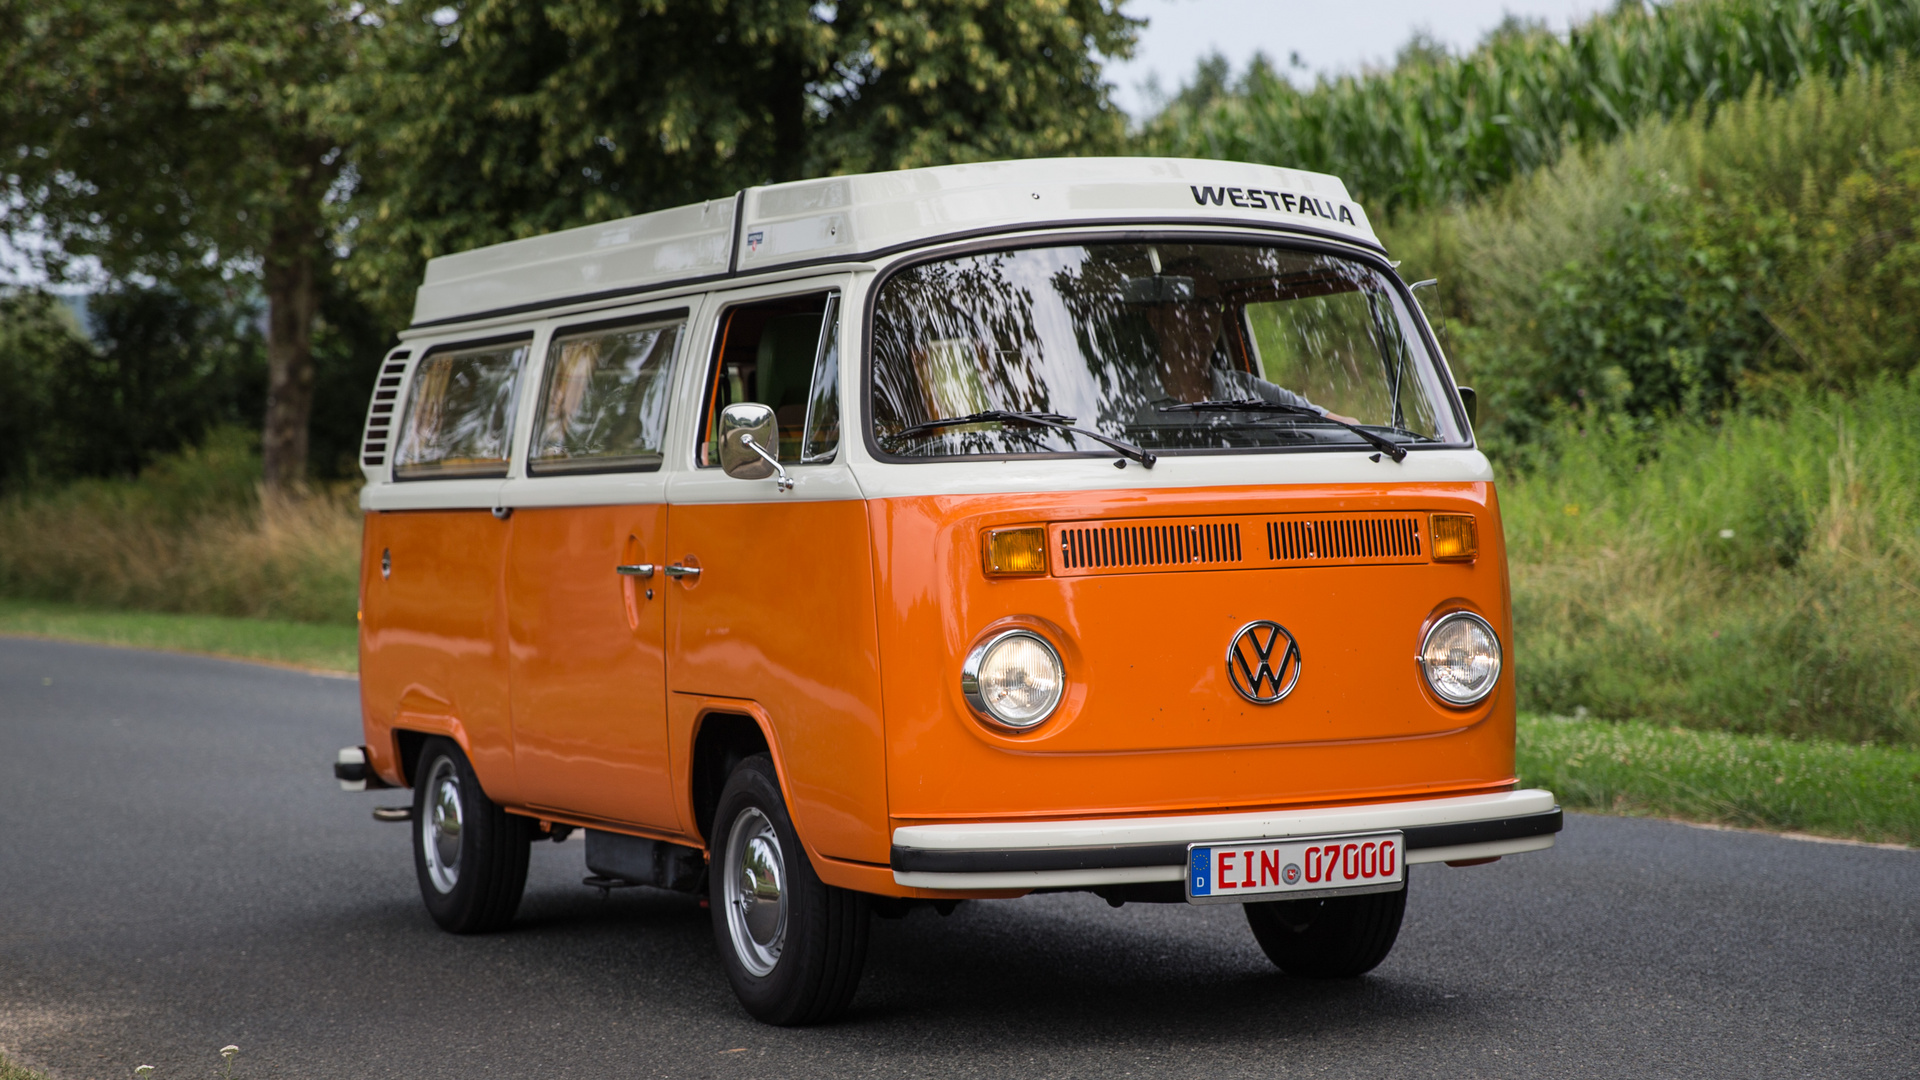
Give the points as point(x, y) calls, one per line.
point(1813, 786)
point(324, 646)
point(10, 1071)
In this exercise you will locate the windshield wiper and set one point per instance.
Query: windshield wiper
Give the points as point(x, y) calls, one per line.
point(1146, 458)
point(1379, 442)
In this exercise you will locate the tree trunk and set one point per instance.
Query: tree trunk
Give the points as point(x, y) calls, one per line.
point(293, 298)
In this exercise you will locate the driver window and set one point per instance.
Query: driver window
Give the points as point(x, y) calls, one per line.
point(783, 353)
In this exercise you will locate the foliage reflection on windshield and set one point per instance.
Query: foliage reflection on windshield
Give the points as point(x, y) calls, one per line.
point(1120, 336)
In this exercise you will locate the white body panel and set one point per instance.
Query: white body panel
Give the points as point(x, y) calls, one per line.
point(878, 213)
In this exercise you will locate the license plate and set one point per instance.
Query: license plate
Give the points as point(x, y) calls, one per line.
point(1236, 872)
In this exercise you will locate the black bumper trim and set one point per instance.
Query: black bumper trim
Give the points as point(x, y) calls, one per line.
point(359, 771)
point(1128, 856)
point(1481, 832)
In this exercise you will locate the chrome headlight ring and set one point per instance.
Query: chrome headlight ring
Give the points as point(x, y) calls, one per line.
point(1452, 677)
point(1017, 698)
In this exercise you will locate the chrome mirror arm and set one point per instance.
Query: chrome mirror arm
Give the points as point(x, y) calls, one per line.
point(781, 480)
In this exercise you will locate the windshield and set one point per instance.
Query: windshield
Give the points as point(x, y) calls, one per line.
point(1169, 346)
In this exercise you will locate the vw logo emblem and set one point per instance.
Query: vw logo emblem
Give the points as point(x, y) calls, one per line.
point(1263, 662)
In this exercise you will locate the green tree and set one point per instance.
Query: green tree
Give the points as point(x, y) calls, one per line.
point(163, 371)
point(159, 372)
point(185, 140)
point(488, 120)
point(38, 337)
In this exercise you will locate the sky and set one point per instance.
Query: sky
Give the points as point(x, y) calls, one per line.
point(1330, 37)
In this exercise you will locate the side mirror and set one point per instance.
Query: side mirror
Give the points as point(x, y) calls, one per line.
point(750, 444)
point(1470, 401)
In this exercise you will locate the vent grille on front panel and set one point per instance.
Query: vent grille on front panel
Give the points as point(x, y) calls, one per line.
point(1172, 545)
point(386, 395)
point(1117, 546)
point(1309, 539)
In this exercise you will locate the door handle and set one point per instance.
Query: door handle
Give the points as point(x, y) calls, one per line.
point(676, 570)
point(639, 570)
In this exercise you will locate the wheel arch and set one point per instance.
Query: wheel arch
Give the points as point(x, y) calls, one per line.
point(410, 734)
point(723, 735)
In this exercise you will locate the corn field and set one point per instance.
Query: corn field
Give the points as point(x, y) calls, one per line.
point(1435, 129)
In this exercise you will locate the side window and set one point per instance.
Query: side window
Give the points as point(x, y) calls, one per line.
point(604, 405)
point(786, 354)
point(459, 418)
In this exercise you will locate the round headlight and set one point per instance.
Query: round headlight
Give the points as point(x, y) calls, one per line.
point(1014, 679)
point(1461, 658)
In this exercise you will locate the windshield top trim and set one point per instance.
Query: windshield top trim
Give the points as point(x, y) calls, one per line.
point(1290, 239)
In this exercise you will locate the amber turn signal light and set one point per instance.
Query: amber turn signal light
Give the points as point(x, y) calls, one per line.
point(1015, 552)
point(1455, 537)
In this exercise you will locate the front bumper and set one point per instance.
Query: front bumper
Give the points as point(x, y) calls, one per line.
point(1121, 851)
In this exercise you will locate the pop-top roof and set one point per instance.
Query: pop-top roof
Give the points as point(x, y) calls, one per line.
point(853, 217)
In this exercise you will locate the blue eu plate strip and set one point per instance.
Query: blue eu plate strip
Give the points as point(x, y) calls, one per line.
point(1200, 881)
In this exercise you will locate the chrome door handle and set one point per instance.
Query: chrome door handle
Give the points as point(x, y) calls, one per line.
point(675, 570)
point(641, 570)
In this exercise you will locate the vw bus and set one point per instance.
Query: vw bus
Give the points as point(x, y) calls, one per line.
point(849, 545)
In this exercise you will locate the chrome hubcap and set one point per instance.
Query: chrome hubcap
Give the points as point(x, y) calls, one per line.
point(440, 826)
point(755, 892)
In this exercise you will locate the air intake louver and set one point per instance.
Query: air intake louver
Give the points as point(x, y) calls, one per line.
point(1309, 539)
point(1149, 546)
point(1162, 545)
point(386, 395)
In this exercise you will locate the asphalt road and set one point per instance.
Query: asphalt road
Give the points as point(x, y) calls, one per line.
point(179, 872)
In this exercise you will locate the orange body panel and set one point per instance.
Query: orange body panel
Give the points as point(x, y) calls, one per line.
point(587, 669)
point(1149, 722)
point(840, 627)
point(433, 638)
point(782, 615)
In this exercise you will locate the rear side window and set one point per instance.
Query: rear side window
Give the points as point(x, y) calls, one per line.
point(459, 418)
point(604, 405)
point(784, 353)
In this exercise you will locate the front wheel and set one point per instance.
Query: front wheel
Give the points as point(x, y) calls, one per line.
point(1337, 937)
point(470, 855)
point(793, 945)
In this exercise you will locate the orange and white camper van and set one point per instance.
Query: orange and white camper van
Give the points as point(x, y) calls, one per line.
point(847, 545)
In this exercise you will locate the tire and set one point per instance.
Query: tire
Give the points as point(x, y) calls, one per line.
point(793, 946)
point(470, 855)
point(1333, 938)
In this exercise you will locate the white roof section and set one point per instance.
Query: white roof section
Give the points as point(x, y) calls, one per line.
point(848, 218)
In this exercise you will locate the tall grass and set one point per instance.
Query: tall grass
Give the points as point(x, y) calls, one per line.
point(1437, 128)
point(1689, 265)
point(1759, 575)
point(192, 534)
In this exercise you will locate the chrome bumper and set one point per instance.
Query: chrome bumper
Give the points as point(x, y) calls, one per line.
point(1121, 851)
